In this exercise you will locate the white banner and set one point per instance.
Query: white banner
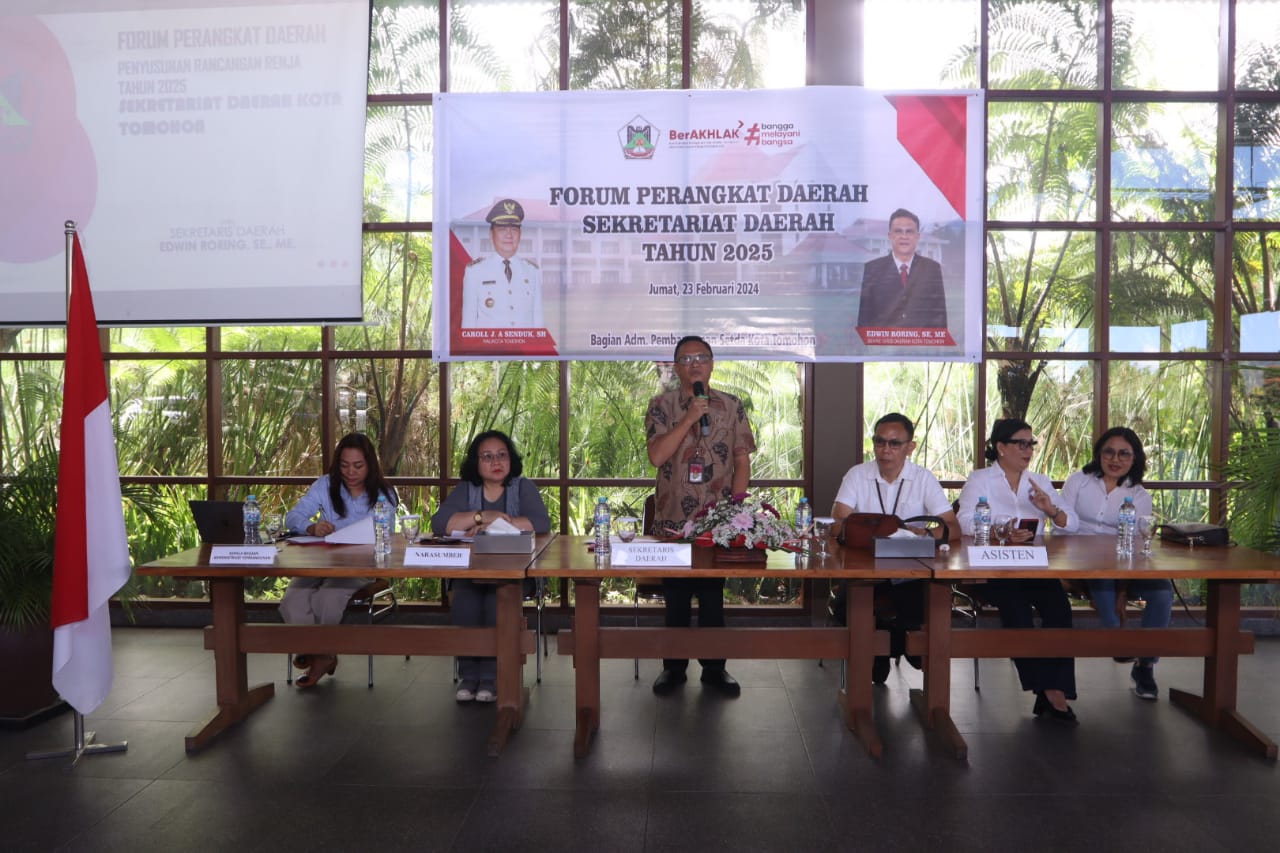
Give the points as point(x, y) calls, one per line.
point(824, 223)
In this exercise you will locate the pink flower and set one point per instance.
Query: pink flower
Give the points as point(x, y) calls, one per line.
point(742, 520)
point(688, 529)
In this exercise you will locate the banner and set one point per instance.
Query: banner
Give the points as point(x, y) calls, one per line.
point(815, 224)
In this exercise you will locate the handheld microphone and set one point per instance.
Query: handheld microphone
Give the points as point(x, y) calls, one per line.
point(700, 390)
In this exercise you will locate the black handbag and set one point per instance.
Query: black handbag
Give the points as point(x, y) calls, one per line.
point(1192, 534)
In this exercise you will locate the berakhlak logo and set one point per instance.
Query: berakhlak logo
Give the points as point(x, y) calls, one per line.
point(753, 133)
point(638, 138)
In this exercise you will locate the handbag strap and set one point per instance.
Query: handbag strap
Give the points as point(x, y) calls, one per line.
point(944, 539)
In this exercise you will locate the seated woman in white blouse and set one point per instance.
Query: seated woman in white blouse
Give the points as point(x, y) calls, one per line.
point(1095, 494)
point(1012, 490)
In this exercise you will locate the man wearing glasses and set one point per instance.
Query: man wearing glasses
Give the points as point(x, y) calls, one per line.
point(502, 290)
point(903, 290)
point(892, 484)
point(701, 443)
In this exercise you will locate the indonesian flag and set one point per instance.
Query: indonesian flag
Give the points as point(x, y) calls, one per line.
point(90, 553)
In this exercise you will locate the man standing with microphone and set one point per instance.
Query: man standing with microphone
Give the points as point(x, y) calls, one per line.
point(701, 443)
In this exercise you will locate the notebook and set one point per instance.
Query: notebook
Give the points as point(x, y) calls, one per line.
point(219, 522)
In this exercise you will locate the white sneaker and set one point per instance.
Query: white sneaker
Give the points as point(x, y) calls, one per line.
point(467, 691)
point(487, 693)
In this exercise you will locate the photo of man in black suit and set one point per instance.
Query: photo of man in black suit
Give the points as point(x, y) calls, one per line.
point(903, 289)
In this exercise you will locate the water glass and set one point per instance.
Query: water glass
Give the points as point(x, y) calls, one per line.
point(1147, 530)
point(410, 526)
point(626, 527)
point(272, 525)
point(1002, 529)
point(822, 533)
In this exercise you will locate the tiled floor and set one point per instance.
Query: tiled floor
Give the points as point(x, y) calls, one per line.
point(402, 767)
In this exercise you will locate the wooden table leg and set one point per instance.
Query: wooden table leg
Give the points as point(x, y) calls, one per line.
point(1217, 707)
point(933, 703)
point(586, 663)
point(235, 698)
point(855, 699)
point(510, 625)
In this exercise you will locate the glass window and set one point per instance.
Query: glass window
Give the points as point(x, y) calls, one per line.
point(1040, 291)
point(1163, 162)
point(404, 48)
point(1167, 404)
point(606, 423)
point(620, 44)
point(521, 398)
point(1044, 45)
point(1257, 34)
point(161, 413)
point(270, 417)
point(503, 46)
point(1257, 161)
point(1161, 292)
point(1042, 161)
point(397, 294)
point(1055, 398)
point(396, 402)
point(743, 44)
point(943, 54)
point(1255, 291)
point(939, 399)
point(1144, 31)
point(398, 164)
point(30, 410)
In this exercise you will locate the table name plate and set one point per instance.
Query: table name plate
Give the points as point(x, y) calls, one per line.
point(651, 554)
point(242, 555)
point(452, 557)
point(1009, 556)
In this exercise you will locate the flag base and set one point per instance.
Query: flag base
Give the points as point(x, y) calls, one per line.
point(84, 745)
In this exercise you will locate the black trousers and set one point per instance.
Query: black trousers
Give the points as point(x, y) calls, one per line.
point(679, 594)
point(1019, 601)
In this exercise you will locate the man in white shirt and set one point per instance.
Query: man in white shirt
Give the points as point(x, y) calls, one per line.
point(891, 483)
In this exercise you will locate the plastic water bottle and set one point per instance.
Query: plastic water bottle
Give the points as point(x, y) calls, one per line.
point(1125, 524)
point(252, 521)
point(382, 518)
point(804, 519)
point(982, 522)
point(603, 523)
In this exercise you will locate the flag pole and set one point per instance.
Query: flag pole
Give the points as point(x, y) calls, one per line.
point(83, 741)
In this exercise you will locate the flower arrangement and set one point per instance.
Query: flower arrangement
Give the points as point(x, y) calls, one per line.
point(739, 522)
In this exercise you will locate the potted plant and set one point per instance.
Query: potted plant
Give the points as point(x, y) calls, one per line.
point(27, 512)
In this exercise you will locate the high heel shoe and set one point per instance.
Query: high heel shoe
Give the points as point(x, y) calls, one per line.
point(319, 669)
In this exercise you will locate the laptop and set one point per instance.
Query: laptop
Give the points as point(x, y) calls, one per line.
point(219, 522)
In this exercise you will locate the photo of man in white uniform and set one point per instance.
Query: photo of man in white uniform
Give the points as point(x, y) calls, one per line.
point(502, 290)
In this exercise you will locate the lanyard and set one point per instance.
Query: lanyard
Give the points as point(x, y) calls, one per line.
point(896, 498)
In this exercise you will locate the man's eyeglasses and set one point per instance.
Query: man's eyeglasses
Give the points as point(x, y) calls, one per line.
point(895, 443)
point(1024, 443)
point(696, 358)
point(1112, 453)
point(491, 458)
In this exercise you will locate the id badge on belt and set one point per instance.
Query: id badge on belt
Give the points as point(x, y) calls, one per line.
point(695, 469)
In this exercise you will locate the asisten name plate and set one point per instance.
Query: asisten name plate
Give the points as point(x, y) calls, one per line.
point(1008, 556)
point(637, 554)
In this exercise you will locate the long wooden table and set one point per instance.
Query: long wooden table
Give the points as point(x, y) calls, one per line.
point(858, 644)
point(1220, 642)
point(230, 638)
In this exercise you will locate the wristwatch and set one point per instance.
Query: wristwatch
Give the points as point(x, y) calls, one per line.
point(479, 518)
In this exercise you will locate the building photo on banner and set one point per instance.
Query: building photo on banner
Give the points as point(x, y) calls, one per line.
point(815, 224)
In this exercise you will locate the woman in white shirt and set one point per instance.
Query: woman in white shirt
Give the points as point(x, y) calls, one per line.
point(1095, 494)
point(1013, 490)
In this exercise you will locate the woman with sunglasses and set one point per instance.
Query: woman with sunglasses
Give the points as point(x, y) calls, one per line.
point(1096, 493)
point(492, 488)
point(1011, 489)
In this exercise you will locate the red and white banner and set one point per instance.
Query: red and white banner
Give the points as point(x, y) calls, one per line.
point(91, 553)
point(815, 224)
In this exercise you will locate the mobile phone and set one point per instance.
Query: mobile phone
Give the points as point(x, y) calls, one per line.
point(1032, 524)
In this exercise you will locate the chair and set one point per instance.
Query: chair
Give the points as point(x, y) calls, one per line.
point(377, 598)
point(649, 590)
point(964, 604)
